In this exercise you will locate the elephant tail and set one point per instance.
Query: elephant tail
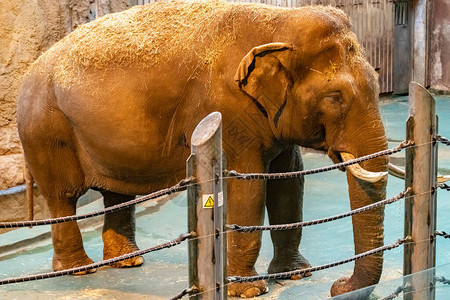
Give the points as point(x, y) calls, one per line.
point(29, 180)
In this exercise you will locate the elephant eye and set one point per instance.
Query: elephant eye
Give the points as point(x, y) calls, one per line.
point(334, 97)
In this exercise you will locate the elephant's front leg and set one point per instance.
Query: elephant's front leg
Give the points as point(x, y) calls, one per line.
point(245, 207)
point(119, 231)
point(284, 202)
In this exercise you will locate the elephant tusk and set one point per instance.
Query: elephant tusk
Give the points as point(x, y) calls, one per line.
point(443, 178)
point(357, 171)
point(396, 171)
point(400, 173)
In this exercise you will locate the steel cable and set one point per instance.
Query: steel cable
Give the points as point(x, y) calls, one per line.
point(181, 186)
point(318, 221)
point(397, 292)
point(407, 289)
point(110, 261)
point(444, 234)
point(289, 274)
point(251, 176)
point(442, 279)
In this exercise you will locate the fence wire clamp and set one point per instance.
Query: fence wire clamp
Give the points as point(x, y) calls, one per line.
point(185, 236)
point(404, 193)
point(189, 291)
point(405, 144)
point(444, 186)
point(233, 227)
point(408, 239)
point(443, 140)
point(232, 173)
point(232, 279)
point(187, 181)
point(433, 189)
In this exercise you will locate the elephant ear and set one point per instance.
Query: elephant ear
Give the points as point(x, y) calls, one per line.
point(263, 77)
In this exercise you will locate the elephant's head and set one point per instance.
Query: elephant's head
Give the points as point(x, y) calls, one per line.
point(318, 91)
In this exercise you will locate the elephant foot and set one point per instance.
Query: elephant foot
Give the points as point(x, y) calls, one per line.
point(345, 285)
point(116, 245)
point(341, 286)
point(283, 264)
point(64, 264)
point(247, 289)
point(129, 263)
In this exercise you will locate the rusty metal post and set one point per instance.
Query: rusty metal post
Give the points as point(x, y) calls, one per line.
point(207, 259)
point(420, 206)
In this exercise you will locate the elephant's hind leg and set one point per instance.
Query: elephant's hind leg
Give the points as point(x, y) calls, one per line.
point(51, 156)
point(67, 240)
point(284, 205)
point(119, 231)
point(61, 188)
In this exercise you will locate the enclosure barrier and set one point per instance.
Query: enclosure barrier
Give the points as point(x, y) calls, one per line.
point(181, 186)
point(207, 260)
point(207, 198)
point(107, 262)
point(421, 176)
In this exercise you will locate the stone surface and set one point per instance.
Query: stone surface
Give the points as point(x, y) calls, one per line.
point(27, 29)
point(11, 170)
point(9, 141)
point(15, 207)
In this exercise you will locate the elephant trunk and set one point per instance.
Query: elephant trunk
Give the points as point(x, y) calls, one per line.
point(368, 227)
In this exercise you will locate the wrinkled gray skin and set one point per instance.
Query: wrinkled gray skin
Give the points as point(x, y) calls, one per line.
point(125, 129)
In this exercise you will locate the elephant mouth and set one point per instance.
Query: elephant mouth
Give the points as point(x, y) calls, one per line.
point(357, 171)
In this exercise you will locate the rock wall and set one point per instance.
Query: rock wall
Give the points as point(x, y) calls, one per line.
point(15, 208)
point(27, 29)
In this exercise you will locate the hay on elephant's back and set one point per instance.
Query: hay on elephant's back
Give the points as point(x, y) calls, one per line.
point(145, 35)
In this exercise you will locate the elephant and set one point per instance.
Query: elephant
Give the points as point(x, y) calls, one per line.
point(112, 107)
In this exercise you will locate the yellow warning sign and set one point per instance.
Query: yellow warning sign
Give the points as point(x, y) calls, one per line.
point(208, 201)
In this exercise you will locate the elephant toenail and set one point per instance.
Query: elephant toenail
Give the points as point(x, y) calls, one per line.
point(139, 261)
point(251, 292)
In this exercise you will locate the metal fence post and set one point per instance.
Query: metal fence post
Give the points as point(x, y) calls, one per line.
point(420, 209)
point(207, 259)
